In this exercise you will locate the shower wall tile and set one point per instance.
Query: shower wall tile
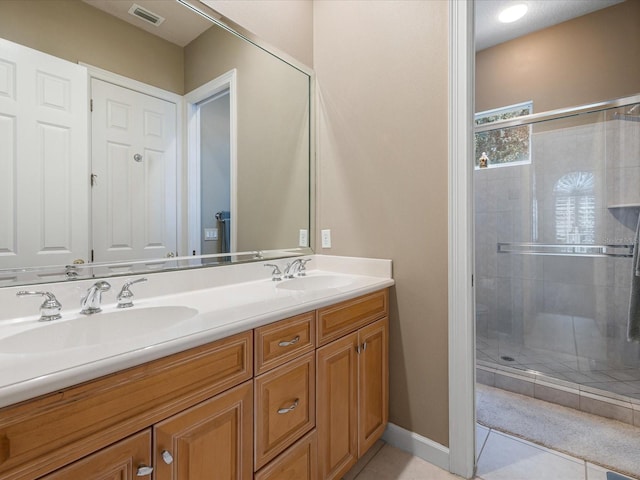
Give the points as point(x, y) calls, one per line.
point(622, 186)
point(623, 144)
point(485, 377)
point(569, 299)
point(578, 270)
point(514, 384)
point(553, 333)
point(590, 404)
point(590, 339)
point(555, 394)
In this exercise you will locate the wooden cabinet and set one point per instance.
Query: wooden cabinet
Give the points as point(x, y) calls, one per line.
point(54, 430)
point(306, 406)
point(210, 440)
point(124, 460)
point(352, 384)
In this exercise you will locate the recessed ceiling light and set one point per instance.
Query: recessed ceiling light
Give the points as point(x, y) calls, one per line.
point(513, 13)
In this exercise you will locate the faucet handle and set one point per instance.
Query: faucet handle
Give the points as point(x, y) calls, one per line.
point(50, 308)
point(302, 270)
point(276, 275)
point(125, 296)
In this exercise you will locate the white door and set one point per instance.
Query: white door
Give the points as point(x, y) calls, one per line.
point(134, 172)
point(44, 166)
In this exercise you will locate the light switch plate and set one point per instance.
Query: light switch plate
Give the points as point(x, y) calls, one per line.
point(210, 234)
point(326, 238)
point(304, 238)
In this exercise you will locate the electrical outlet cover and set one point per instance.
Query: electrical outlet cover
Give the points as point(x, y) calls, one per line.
point(326, 238)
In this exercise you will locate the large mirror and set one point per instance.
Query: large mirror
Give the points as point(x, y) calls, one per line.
point(134, 131)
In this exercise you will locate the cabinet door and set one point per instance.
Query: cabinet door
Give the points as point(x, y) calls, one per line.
point(373, 378)
point(337, 406)
point(211, 441)
point(121, 461)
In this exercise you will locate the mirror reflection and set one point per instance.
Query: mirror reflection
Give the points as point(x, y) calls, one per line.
point(117, 144)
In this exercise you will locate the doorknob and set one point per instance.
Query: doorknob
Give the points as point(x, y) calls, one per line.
point(137, 157)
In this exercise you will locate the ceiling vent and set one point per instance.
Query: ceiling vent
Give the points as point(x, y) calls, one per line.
point(146, 15)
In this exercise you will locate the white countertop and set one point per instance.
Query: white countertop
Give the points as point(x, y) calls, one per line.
point(228, 300)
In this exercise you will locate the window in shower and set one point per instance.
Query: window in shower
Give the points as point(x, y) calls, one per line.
point(575, 209)
point(504, 146)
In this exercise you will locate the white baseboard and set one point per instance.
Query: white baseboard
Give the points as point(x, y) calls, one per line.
point(417, 445)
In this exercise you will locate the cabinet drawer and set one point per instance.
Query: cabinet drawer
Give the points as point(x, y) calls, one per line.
point(41, 435)
point(345, 317)
point(285, 407)
point(120, 460)
point(282, 341)
point(299, 462)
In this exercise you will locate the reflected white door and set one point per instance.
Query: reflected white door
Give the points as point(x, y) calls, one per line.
point(134, 172)
point(44, 167)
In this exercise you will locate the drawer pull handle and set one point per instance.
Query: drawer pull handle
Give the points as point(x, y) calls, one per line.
point(290, 342)
point(289, 409)
point(143, 471)
point(167, 457)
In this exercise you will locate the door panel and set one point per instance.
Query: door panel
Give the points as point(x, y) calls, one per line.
point(373, 378)
point(134, 162)
point(212, 440)
point(337, 406)
point(44, 168)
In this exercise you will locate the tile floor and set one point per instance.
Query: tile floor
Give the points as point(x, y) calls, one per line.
point(501, 457)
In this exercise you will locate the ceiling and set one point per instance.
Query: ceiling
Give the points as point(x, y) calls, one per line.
point(182, 25)
point(541, 14)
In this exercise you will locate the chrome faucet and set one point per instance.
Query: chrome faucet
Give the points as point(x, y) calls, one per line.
point(90, 303)
point(50, 309)
point(125, 296)
point(296, 267)
point(276, 274)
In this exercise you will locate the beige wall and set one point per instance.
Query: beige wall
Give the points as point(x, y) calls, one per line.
point(77, 32)
point(273, 137)
point(592, 58)
point(285, 24)
point(382, 186)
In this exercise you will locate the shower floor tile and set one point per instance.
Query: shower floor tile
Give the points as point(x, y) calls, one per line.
point(558, 365)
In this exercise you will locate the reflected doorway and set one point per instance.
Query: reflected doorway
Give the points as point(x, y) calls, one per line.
point(212, 212)
point(215, 174)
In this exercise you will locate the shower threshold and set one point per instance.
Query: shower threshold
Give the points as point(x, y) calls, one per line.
point(573, 395)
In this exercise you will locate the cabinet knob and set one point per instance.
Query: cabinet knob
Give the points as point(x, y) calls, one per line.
point(290, 408)
point(167, 457)
point(293, 341)
point(143, 471)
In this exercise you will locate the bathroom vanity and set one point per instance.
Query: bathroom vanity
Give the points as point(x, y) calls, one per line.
point(293, 386)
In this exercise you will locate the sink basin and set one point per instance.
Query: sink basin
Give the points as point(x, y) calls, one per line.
point(97, 329)
point(315, 282)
